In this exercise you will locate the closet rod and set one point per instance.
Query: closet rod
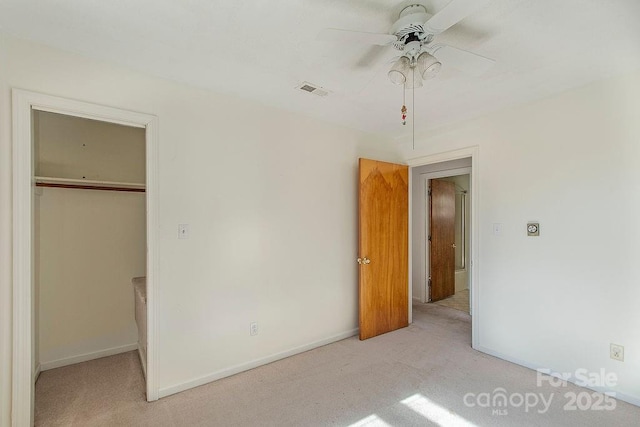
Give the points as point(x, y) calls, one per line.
point(90, 187)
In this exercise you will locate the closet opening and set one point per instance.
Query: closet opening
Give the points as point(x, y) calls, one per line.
point(89, 240)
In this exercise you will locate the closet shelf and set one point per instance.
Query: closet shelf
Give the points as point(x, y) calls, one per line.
point(86, 184)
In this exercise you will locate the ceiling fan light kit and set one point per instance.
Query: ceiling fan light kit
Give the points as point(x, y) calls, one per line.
point(399, 71)
point(428, 65)
point(403, 70)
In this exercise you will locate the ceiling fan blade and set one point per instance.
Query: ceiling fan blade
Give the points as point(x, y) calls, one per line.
point(462, 60)
point(333, 34)
point(451, 14)
point(373, 55)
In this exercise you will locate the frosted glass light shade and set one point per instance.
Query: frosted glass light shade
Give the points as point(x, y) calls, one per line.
point(401, 71)
point(428, 66)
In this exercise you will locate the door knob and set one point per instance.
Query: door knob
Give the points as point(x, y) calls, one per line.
point(453, 245)
point(364, 260)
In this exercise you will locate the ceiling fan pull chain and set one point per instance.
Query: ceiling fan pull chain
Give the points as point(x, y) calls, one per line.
point(404, 107)
point(413, 110)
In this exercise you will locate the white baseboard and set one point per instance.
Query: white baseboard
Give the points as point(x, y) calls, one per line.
point(416, 300)
point(167, 391)
point(44, 366)
point(634, 400)
point(36, 374)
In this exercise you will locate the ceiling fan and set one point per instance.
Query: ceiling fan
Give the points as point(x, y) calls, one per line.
point(413, 34)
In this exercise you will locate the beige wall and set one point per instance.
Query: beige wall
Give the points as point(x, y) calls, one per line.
point(89, 243)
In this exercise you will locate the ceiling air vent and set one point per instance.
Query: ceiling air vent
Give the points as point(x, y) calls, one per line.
point(314, 89)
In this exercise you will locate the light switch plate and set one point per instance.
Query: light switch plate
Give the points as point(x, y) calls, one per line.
point(533, 229)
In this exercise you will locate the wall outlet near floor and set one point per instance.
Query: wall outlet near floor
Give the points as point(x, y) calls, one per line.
point(533, 229)
point(253, 328)
point(617, 352)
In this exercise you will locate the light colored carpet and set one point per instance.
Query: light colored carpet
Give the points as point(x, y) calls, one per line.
point(416, 376)
point(458, 301)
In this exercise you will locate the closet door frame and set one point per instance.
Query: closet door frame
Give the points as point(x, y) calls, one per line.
point(23, 103)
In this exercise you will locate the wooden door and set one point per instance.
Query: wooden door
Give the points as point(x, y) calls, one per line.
point(383, 247)
point(442, 216)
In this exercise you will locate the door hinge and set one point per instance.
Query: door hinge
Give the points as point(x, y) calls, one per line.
point(429, 238)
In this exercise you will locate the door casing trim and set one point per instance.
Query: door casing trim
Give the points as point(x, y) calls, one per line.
point(23, 102)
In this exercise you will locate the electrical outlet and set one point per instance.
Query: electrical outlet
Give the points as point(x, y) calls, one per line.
point(617, 352)
point(533, 229)
point(253, 328)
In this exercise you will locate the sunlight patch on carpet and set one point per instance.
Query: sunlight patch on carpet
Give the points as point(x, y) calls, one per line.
point(434, 412)
point(370, 421)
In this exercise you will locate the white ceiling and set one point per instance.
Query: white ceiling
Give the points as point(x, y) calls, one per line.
point(262, 50)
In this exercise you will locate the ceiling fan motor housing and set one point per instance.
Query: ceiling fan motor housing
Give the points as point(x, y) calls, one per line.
point(410, 27)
